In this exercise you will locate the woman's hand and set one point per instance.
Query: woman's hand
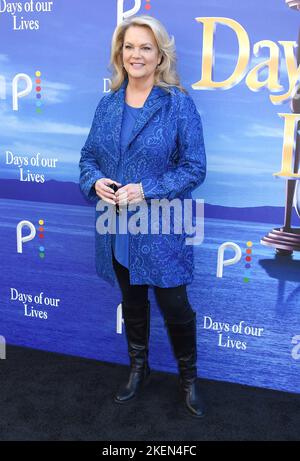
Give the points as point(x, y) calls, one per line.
point(131, 193)
point(105, 192)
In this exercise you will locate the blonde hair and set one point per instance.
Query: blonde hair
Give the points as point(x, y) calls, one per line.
point(165, 74)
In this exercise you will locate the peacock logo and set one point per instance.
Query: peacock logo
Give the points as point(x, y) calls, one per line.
point(22, 85)
point(123, 14)
point(23, 237)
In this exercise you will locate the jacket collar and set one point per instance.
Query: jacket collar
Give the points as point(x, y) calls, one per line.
point(154, 101)
point(155, 94)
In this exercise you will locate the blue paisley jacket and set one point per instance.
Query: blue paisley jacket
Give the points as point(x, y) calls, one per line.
point(166, 153)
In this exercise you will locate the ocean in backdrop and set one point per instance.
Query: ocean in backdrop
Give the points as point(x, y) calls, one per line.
point(248, 332)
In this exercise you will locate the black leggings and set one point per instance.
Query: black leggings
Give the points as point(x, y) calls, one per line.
point(172, 301)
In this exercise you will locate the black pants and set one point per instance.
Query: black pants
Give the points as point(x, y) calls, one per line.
point(172, 301)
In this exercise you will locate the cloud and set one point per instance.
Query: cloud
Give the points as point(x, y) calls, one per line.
point(11, 125)
point(223, 163)
point(54, 92)
point(263, 131)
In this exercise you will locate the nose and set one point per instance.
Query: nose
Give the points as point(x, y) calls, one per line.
point(136, 52)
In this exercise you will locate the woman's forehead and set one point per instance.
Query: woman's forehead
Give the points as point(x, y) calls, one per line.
point(139, 34)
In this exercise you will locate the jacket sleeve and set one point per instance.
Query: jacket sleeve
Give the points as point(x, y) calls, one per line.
point(89, 167)
point(190, 169)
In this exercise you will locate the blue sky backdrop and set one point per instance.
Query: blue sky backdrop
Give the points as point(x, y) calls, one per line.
point(243, 133)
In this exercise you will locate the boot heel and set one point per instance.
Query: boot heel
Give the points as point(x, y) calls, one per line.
point(137, 381)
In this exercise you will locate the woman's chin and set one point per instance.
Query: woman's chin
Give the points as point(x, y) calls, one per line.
point(137, 74)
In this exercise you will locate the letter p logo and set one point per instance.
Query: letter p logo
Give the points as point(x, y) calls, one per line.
point(126, 14)
point(227, 262)
point(24, 238)
point(16, 92)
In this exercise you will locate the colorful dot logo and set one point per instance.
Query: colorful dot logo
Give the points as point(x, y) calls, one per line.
point(248, 259)
point(147, 5)
point(38, 90)
point(41, 236)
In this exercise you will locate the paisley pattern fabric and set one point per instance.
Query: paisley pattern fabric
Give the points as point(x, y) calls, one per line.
point(120, 242)
point(166, 153)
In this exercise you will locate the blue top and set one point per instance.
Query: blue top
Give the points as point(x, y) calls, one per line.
point(120, 242)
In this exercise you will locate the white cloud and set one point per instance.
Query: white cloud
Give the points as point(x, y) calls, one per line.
point(263, 131)
point(12, 125)
point(54, 92)
point(223, 163)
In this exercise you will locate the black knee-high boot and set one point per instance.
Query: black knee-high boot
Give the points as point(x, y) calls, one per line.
point(183, 338)
point(137, 330)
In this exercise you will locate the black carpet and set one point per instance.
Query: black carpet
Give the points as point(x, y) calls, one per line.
point(48, 396)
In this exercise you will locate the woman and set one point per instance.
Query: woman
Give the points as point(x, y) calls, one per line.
point(146, 142)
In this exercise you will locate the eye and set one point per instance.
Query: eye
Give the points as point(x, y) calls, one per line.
point(146, 48)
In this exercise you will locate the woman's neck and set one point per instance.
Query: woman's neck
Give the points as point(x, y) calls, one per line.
point(136, 94)
point(139, 86)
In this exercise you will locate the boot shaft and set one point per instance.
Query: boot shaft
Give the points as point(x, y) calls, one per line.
point(137, 331)
point(183, 339)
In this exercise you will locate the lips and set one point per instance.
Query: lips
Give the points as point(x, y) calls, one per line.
point(137, 64)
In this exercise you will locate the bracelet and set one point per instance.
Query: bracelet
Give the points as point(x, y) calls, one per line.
point(142, 190)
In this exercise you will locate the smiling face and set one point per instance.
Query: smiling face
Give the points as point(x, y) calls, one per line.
point(140, 53)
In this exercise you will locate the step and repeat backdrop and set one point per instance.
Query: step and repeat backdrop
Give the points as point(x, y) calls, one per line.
point(239, 61)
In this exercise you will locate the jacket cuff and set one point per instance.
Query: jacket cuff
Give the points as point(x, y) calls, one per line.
point(148, 187)
point(89, 186)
